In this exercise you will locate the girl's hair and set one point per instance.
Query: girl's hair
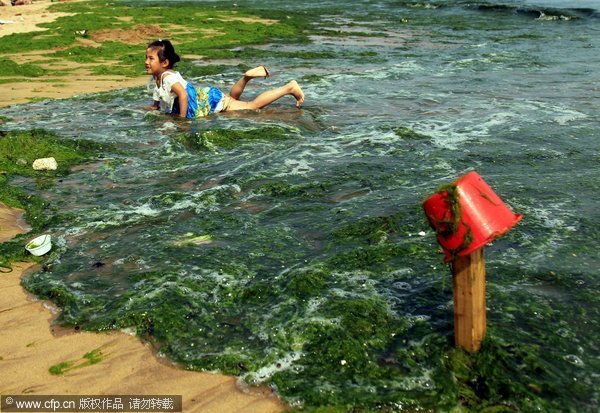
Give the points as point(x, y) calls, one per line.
point(165, 51)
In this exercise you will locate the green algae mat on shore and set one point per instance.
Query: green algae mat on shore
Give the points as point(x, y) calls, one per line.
point(288, 247)
point(18, 150)
point(109, 38)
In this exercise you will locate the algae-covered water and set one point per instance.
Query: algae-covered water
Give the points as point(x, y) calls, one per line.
point(289, 246)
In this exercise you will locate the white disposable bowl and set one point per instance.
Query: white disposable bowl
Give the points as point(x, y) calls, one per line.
point(40, 245)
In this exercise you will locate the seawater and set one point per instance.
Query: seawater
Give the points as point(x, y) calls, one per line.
point(289, 247)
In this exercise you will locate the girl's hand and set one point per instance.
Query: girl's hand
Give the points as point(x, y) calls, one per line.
point(154, 105)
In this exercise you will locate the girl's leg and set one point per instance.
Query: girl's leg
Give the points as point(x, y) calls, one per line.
point(270, 96)
point(237, 89)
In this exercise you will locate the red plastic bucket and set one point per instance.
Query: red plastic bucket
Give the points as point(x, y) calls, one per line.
point(467, 215)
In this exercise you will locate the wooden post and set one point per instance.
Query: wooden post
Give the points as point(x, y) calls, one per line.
point(468, 281)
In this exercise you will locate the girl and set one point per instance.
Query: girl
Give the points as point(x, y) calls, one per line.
point(172, 94)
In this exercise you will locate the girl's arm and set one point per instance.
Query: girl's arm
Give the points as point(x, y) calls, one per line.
point(179, 90)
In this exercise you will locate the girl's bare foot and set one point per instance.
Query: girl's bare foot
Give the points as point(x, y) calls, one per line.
point(260, 71)
point(297, 92)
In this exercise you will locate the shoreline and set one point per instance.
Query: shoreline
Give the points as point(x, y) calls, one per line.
point(126, 365)
point(59, 88)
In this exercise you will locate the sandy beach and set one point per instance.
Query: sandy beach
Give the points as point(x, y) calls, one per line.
point(27, 18)
point(30, 344)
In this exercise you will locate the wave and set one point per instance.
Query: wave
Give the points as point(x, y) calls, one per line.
point(538, 13)
point(530, 11)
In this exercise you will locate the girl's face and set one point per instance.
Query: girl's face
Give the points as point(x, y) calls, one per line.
point(153, 64)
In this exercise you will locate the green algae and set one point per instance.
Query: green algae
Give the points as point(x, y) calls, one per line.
point(93, 357)
point(252, 53)
point(348, 343)
point(12, 251)
point(382, 257)
point(483, 378)
point(364, 323)
point(309, 283)
point(192, 19)
point(371, 229)
point(378, 243)
point(348, 336)
point(11, 68)
point(230, 138)
point(60, 368)
point(362, 329)
point(346, 352)
point(18, 150)
point(407, 133)
point(279, 189)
